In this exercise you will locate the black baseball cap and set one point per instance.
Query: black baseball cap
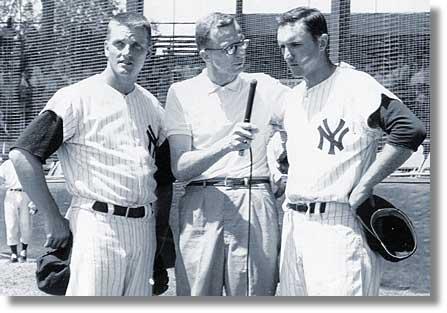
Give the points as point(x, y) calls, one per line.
point(388, 230)
point(53, 270)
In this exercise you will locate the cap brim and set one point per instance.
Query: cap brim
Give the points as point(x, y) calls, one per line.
point(404, 232)
point(377, 209)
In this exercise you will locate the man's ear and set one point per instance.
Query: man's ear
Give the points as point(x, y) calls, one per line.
point(324, 42)
point(204, 55)
point(149, 51)
point(106, 49)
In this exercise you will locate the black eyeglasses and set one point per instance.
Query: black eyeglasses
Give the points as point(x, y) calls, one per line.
point(231, 49)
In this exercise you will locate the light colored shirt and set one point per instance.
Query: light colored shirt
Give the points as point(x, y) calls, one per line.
point(8, 176)
point(207, 112)
point(107, 152)
point(329, 142)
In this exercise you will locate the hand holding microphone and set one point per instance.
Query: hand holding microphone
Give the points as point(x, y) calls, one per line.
point(251, 96)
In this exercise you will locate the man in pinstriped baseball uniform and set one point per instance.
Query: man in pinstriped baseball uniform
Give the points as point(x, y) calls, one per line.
point(105, 129)
point(333, 121)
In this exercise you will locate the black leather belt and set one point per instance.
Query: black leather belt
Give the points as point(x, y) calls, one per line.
point(229, 182)
point(120, 210)
point(304, 207)
point(16, 189)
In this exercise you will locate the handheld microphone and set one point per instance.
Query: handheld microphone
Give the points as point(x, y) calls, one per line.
point(251, 96)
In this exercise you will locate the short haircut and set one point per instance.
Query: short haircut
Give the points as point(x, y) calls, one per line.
point(132, 21)
point(205, 24)
point(313, 20)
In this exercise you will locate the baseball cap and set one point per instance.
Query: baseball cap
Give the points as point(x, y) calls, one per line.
point(388, 230)
point(53, 270)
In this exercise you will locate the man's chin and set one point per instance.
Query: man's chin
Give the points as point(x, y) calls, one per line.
point(239, 68)
point(296, 72)
point(126, 73)
point(127, 76)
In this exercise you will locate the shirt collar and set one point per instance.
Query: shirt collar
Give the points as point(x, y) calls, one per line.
point(211, 87)
point(103, 81)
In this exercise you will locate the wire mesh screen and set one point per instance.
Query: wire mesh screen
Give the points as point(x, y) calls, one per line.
point(45, 45)
point(395, 50)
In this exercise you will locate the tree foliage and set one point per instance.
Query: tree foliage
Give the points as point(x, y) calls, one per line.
point(29, 11)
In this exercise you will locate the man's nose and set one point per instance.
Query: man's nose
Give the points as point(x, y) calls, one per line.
point(287, 55)
point(242, 48)
point(126, 50)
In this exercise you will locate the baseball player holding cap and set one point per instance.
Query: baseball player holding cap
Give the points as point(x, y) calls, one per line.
point(333, 122)
point(217, 244)
point(105, 129)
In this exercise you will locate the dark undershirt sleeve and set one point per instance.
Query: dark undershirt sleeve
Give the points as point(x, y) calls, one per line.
point(163, 175)
point(43, 136)
point(399, 123)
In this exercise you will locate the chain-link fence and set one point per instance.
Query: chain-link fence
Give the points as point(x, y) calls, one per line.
point(45, 45)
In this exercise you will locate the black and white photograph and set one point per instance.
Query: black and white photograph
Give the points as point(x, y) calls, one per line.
point(229, 148)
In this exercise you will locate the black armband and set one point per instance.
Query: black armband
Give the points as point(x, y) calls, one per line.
point(43, 136)
point(399, 123)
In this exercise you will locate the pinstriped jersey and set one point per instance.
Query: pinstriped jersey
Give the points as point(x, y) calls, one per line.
point(330, 145)
point(109, 142)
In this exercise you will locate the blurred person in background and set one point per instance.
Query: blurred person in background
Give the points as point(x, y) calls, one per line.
point(18, 209)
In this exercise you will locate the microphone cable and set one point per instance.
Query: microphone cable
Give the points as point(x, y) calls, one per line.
point(249, 221)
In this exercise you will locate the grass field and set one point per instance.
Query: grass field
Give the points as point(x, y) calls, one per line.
point(407, 278)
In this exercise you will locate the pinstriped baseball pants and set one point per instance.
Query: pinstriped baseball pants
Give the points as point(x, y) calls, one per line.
point(210, 227)
point(327, 255)
point(112, 255)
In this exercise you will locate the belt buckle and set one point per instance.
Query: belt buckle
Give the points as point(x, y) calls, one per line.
point(302, 207)
point(228, 183)
point(299, 207)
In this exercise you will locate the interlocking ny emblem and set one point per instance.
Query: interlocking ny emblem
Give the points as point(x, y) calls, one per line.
point(326, 133)
point(152, 141)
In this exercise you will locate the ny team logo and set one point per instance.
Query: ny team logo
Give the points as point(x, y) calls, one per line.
point(330, 135)
point(152, 141)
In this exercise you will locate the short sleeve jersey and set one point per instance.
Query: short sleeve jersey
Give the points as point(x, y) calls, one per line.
point(109, 142)
point(207, 112)
point(329, 142)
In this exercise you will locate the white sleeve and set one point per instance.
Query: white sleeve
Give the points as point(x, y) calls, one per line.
point(62, 104)
point(368, 94)
point(175, 121)
point(275, 92)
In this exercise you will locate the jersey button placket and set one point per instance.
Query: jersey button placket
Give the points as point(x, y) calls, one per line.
point(133, 137)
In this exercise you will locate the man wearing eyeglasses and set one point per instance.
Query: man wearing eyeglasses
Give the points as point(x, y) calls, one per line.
point(226, 224)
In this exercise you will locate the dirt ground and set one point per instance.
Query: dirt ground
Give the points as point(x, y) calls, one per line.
point(410, 277)
point(18, 280)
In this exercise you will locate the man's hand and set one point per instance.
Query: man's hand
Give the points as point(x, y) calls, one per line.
point(240, 137)
point(279, 186)
point(58, 232)
point(358, 195)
